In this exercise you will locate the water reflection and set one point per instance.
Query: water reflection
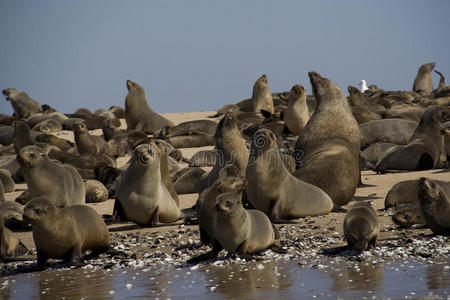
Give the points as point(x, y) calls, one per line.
point(438, 276)
point(361, 276)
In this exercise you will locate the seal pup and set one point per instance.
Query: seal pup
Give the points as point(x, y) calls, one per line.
point(435, 206)
point(138, 114)
point(423, 84)
point(296, 115)
point(95, 191)
point(262, 101)
point(361, 227)
point(331, 138)
point(238, 230)
point(48, 126)
point(65, 233)
point(87, 143)
point(22, 104)
point(276, 192)
point(141, 195)
point(10, 245)
point(424, 148)
point(60, 183)
point(408, 216)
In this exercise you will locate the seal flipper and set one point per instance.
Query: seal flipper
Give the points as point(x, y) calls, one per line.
point(265, 114)
point(41, 260)
point(118, 214)
point(75, 257)
point(217, 247)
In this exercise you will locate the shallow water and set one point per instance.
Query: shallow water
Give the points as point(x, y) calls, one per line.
point(273, 280)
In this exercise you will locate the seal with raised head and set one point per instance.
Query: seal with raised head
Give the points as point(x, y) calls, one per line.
point(423, 84)
point(138, 114)
point(22, 104)
point(262, 100)
point(296, 115)
point(62, 184)
point(238, 230)
point(435, 206)
point(275, 191)
point(331, 138)
point(66, 232)
point(87, 143)
point(424, 147)
point(361, 227)
point(141, 194)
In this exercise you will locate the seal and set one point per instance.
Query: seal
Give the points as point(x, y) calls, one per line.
point(374, 153)
point(408, 216)
point(87, 143)
point(296, 115)
point(205, 127)
point(424, 147)
point(51, 139)
point(10, 245)
point(141, 195)
point(65, 233)
point(48, 126)
point(227, 182)
point(396, 131)
point(262, 101)
point(138, 114)
point(203, 158)
point(11, 214)
point(423, 84)
point(61, 184)
point(231, 149)
point(331, 138)
point(22, 135)
point(407, 193)
point(7, 181)
point(187, 180)
point(273, 190)
point(95, 191)
point(362, 110)
point(361, 227)
point(238, 230)
point(22, 104)
point(435, 206)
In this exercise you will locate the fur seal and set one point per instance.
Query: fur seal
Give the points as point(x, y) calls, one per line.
point(445, 131)
point(87, 143)
point(10, 245)
point(238, 230)
point(48, 126)
point(275, 191)
point(374, 153)
point(205, 127)
point(262, 101)
point(7, 181)
point(22, 135)
point(296, 115)
point(22, 104)
point(143, 197)
point(423, 84)
point(363, 110)
point(424, 147)
point(331, 137)
point(435, 206)
point(361, 227)
point(408, 216)
point(231, 149)
point(203, 158)
point(191, 141)
point(187, 180)
point(51, 139)
point(95, 191)
point(60, 183)
point(407, 193)
point(11, 213)
point(396, 131)
point(64, 233)
point(138, 114)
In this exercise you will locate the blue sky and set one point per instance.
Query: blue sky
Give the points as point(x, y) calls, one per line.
point(200, 55)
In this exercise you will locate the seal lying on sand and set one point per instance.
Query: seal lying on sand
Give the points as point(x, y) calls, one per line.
point(62, 184)
point(361, 227)
point(141, 195)
point(275, 191)
point(138, 114)
point(435, 206)
point(64, 233)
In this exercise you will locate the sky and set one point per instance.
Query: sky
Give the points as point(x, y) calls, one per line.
point(201, 55)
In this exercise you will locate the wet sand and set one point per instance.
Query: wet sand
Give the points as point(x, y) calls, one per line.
point(406, 260)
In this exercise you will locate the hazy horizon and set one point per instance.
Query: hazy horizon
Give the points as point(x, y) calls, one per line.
point(200, 55)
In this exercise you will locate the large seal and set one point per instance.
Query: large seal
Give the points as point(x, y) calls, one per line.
point(361, 227)
point(60, 183)
point(425, 146)
point(275, 191)
point(238, 230)
point(87, 143)
point(435, 206)
point(296, 115)
point(262, 101)
point(143, 198)
point(331, 138)
point(64, 233)
point(423, 84)
point(138, 114)
point(22, 104)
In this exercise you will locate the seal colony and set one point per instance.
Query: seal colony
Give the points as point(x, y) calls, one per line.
point(283, 158)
